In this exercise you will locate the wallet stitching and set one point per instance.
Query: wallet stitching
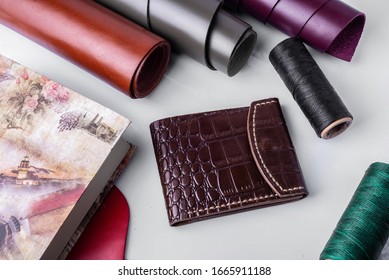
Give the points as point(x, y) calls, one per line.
point(217, 207)
point(259, 154)
point(254, 199)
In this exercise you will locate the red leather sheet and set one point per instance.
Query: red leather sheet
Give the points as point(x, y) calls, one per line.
point(125, 55)
point(104, 238)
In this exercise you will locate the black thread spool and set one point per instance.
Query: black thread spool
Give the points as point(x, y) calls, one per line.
point(310, 88)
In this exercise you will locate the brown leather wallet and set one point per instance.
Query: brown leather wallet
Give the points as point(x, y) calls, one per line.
point(224, 161)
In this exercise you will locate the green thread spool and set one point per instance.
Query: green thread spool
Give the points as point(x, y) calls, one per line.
point(363, 229)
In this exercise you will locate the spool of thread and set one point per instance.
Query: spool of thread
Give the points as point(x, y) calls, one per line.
point(310, 88)
point(363, 229)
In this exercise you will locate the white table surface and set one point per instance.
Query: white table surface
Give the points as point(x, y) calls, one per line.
point(332, 168)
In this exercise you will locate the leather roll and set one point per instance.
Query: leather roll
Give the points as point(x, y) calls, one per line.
point(230, 46)
point(296, 11)
point(125, 55)
point(258, 9)
point(329, 26)
point(172, 19)
point(197, 28)
point(137, 12)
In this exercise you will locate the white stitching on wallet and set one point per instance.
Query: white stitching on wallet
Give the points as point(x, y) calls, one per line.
point(259, 154)
point(255, 199)
point(231, 204)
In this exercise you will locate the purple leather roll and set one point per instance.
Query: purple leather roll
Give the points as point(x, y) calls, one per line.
point(329, 26)
point(336, 29)
point(296, 11)
point(258, 9)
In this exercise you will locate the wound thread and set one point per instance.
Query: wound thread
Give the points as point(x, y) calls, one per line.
point(310, 88)
point(363, 229)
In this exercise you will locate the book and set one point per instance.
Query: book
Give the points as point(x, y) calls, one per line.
point(59, 153)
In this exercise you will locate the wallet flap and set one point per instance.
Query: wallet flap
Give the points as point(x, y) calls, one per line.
point(272, 148)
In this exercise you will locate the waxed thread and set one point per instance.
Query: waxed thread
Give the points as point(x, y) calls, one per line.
point(363, 229)
point(309, 87)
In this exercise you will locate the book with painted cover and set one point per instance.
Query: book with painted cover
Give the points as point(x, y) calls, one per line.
point(59, 151)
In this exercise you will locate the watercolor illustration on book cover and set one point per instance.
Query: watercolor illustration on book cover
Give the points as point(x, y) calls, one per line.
point(52, 143)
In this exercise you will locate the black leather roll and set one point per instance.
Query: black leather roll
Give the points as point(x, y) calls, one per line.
point(197, 28)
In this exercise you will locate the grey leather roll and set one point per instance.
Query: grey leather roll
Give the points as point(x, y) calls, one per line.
point(185, 24)
point(197, 28)
point(231, 43)
point(136, 10)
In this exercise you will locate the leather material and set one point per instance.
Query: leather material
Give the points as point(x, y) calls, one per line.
point(230, 45)
point(233, 4)
point(197, 28)
point(126, 56)
point(259, 9)
point(168, 18)
point(335, 28)
point(329, 26)
point(104, 238)
point(224, 161)
point(296, 11)
point(138, 12)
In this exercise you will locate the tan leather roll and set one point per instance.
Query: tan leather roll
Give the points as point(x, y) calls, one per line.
point(125, 55)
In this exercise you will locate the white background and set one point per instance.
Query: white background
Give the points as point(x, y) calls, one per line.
point(332, 168)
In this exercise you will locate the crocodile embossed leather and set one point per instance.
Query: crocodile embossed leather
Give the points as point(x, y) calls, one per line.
point(221, 162)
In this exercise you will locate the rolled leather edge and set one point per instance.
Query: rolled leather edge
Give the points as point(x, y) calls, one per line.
point(151, 70)
point(126, 56)
point(186, 24)
point(334, 28)
point(231, 42)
